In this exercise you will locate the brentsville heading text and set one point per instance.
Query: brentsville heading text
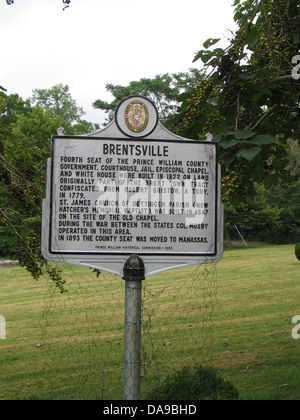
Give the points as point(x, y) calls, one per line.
point(135, 150)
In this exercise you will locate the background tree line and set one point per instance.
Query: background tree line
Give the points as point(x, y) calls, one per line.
point(26, 127)
point(245, 95)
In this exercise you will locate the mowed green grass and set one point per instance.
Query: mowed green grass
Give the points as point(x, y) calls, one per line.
point(259, 294)
point(71, 346)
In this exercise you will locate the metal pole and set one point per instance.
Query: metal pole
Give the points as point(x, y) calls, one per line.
point(241, 236)
point(134, 273)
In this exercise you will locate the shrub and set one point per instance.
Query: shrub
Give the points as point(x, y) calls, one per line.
point(287, 198)
point(195, 383)
point(297, 251)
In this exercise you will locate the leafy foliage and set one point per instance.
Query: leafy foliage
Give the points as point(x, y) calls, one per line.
point(273, 216)
point(197, 383)
point(26, 128)
point(286, 197)
point(297, 251)
point(59, 100)
point(294, 165)
point(249, 99)
point(163, 90)
point(258, 220)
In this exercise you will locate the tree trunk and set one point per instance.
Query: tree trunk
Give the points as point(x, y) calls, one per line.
point(228, 239)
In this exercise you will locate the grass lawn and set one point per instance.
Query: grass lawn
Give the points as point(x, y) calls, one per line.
point(258, 297)
point(71, 346)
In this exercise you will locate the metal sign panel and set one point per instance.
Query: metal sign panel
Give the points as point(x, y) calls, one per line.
point(120, 196)
point(108, 198)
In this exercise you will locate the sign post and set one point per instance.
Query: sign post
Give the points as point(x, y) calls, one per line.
point(134, 200)
point(133, 275)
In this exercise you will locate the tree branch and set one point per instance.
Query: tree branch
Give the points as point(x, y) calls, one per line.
point(238, 112)
point(15, 230)
point(263, 118)
point(281, 78)
point(13, 170)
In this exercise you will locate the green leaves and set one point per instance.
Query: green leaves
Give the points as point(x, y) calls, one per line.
point(166, 91)
point(243, 134)
point(210, 42)
point(250, 143)
point(253, 107)
point(246, 146)
point(25, 133)
point(206, 55)
point(263, 139)
point(248, 153)
point(2, 94)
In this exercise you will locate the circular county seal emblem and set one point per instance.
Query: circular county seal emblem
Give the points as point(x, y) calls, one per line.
point(136, 116)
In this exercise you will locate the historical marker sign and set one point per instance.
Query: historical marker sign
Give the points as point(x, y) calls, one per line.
point(120, 196)
point(110, 197)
